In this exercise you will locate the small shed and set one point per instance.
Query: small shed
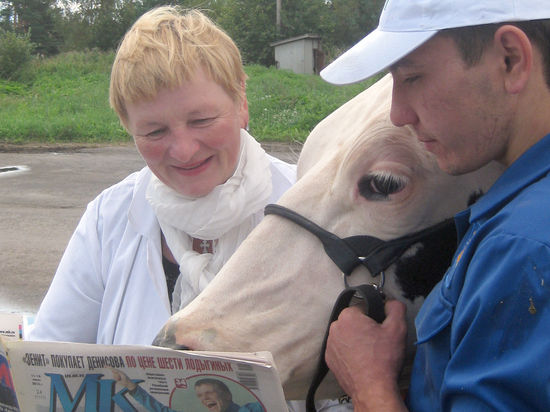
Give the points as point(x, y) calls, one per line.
point(301, 54)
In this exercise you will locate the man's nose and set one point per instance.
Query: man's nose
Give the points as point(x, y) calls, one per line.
point(401, 113)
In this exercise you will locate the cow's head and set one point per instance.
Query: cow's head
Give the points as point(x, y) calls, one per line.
point(358, 174)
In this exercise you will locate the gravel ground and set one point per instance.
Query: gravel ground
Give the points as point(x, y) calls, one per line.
point(42, 202)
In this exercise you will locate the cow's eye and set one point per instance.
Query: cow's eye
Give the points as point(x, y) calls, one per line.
point(379, 186)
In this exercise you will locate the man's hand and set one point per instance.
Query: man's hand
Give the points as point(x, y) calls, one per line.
point(366, 357)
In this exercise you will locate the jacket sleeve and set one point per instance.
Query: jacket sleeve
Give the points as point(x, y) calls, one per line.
point(148, 401)
point(71, 308)
point(499, 342)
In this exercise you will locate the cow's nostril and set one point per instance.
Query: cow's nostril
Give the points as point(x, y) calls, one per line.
point(167, 338)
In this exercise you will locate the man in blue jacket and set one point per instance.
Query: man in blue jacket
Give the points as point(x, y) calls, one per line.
point(472, 78)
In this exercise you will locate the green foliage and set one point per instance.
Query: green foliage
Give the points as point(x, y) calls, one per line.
point(285, 106)
point(15, 53)
point(352, 19)
point(340, 23)
point(38, 17)
point(12, 88)
point(65, 99)
point(99, 23)
point(251, 24)
point(56, 25)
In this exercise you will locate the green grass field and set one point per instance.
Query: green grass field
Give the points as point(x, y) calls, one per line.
point(64, 99)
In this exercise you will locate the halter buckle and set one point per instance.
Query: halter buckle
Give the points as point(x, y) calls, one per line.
point(379, 286)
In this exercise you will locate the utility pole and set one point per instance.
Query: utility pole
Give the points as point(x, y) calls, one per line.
point(278, 19)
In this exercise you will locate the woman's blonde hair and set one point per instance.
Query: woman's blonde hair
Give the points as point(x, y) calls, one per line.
point(164, 48)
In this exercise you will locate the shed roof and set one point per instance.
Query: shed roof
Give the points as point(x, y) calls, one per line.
point(293, 39)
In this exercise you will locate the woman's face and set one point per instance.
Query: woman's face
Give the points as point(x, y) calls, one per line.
point(190, 136)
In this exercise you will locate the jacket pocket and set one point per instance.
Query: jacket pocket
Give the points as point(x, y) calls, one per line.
point(434, 316)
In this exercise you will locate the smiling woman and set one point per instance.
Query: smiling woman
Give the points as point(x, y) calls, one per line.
point(190, 136)
point(178, 86)
point(148, 245)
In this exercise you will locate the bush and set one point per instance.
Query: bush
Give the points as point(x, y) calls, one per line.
point(15, 53)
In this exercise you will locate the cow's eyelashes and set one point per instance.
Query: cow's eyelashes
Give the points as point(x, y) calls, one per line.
point(378, 186)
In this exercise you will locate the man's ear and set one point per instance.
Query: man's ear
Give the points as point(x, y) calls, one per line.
point(516, 51)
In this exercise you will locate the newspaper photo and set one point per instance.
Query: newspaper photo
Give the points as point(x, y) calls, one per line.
point(58, 376)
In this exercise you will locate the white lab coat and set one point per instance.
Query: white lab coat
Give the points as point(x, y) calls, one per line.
point(110, 285)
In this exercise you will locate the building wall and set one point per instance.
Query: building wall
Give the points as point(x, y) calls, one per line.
point(297, 56)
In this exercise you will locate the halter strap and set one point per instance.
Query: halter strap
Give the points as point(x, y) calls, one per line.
point(373, 307)
point(348, 253)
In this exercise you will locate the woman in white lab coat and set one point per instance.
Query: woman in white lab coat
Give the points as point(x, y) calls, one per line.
point(148, 245)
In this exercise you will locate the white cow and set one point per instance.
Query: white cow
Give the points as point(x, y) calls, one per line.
point(358, 174)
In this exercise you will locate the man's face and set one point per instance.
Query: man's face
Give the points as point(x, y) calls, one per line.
point(460, 113)
point(211, 399)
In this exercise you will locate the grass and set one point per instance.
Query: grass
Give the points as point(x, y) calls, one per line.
point(65, 99)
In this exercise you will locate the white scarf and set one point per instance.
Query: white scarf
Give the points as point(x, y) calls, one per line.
point(228, 213)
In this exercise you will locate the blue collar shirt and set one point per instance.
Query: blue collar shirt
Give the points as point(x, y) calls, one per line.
point(483, 333)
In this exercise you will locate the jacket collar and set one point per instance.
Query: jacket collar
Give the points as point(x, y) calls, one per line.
point(528, 168)
point(140, 214)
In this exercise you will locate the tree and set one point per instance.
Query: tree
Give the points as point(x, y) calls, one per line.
point(37, 17)
point(305, 17)
point(15, 53)
point(340, 23)
point(251, 24)
point(353, 19)
point(7, 16)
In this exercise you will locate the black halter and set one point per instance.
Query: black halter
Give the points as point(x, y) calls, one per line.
point(348, 253)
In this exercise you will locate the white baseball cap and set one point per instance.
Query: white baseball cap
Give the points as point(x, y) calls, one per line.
point(406, 24)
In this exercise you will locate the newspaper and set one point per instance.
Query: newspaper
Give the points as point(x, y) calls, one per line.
point(14, 326)
point(59, 376)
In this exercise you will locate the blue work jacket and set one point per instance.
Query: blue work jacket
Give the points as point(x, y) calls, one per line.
point(483, 333)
